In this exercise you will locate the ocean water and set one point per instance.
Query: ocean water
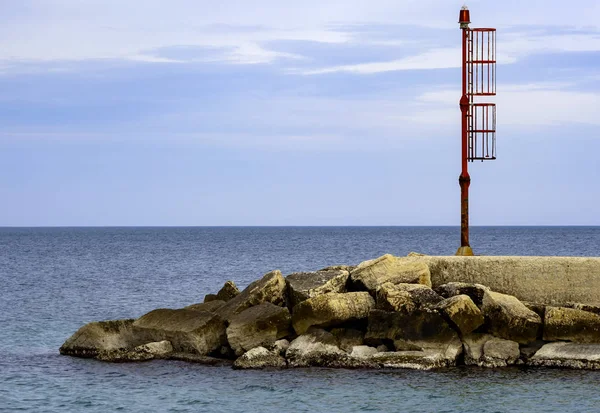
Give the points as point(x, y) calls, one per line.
point(54, 280)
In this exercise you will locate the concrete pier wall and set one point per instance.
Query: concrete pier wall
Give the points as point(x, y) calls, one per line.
point(545, 280)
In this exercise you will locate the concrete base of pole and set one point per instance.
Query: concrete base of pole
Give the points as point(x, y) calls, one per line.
point(464, 252)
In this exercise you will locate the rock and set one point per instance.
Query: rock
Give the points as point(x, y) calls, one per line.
point(348, 268)
point(99, 336)
point(145, 352)
point(331, 309)
point(198, 359)
point(228, 291)
point(462, 312)
point(592, 308)
point(348, 338)
point(363, 351)
point(510, 319)
point(211, 306)
point(210, 297)
point(420, 325)
point(421, 295)
point(474, 291)
point(390, 298)
point(570, 324)
point(190, 331)
point(256, 326)
point(416, 254)
point(528, 350)
point(539, 309)
point(280, 346)
point(305, 285)
point(269, 289)
point(432, 356)
point(260, 358)
point(318, 348)
point(485, 350)
point(382, 348)
point(571, 355)
point(369, 275)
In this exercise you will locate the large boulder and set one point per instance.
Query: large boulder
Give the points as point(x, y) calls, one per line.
point(190, 331)
point(100, 336)
point(510, 319)
point(210, 306)
point(417, 326)
point(390, 298)
point(145, 352)
point(570, 324)
point(426, 355)
point(331, 309)
point(348, 268)
point(571, 355)
point(348, 338)
point(592, 308)
point(421, 295)
point(485, 350)
point(369, 275)
point(474, 291)
point(256, 326)
point(269, 289)
point(318, 348)
point(228, 291)
point(259, 358)
point(305, 285)
point(461, 312)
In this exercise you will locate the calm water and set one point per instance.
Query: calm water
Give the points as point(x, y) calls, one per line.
point(53, 280)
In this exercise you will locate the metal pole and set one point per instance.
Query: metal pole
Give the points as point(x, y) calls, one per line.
point(464, 180)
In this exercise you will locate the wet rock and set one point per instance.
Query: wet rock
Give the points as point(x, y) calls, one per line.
point(510, 319)
point(145, 352)
point(462, 312)
point(260, 358)
point(570, 324)
point(269, 289)
point(228, 291)
point(528, 350)
point(474, 291)
point(348, 338)
point(256, 326)
point(369, 275)
point(190, 331)
point(99, 336)
point(211, 306)
point(570, 355)
point(319, 348)
point(331, 309)
point(390, 298)
point(485, 350)
point(305, 285)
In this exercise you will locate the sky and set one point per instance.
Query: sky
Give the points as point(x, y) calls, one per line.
point(265, 112)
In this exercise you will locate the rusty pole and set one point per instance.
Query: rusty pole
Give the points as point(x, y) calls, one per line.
point(464, 180)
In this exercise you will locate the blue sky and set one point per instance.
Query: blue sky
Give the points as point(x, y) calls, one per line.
point(123, 112)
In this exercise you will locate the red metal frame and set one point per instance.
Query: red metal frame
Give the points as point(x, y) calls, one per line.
point(478, 120)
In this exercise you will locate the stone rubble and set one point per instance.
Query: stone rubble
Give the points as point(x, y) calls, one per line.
point(381, 313)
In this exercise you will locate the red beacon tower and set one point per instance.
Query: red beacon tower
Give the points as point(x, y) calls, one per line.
point(478, 120)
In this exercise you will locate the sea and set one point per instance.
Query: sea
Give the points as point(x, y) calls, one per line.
point(54, 280)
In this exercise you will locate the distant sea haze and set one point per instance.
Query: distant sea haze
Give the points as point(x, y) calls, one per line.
point(56, 279)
